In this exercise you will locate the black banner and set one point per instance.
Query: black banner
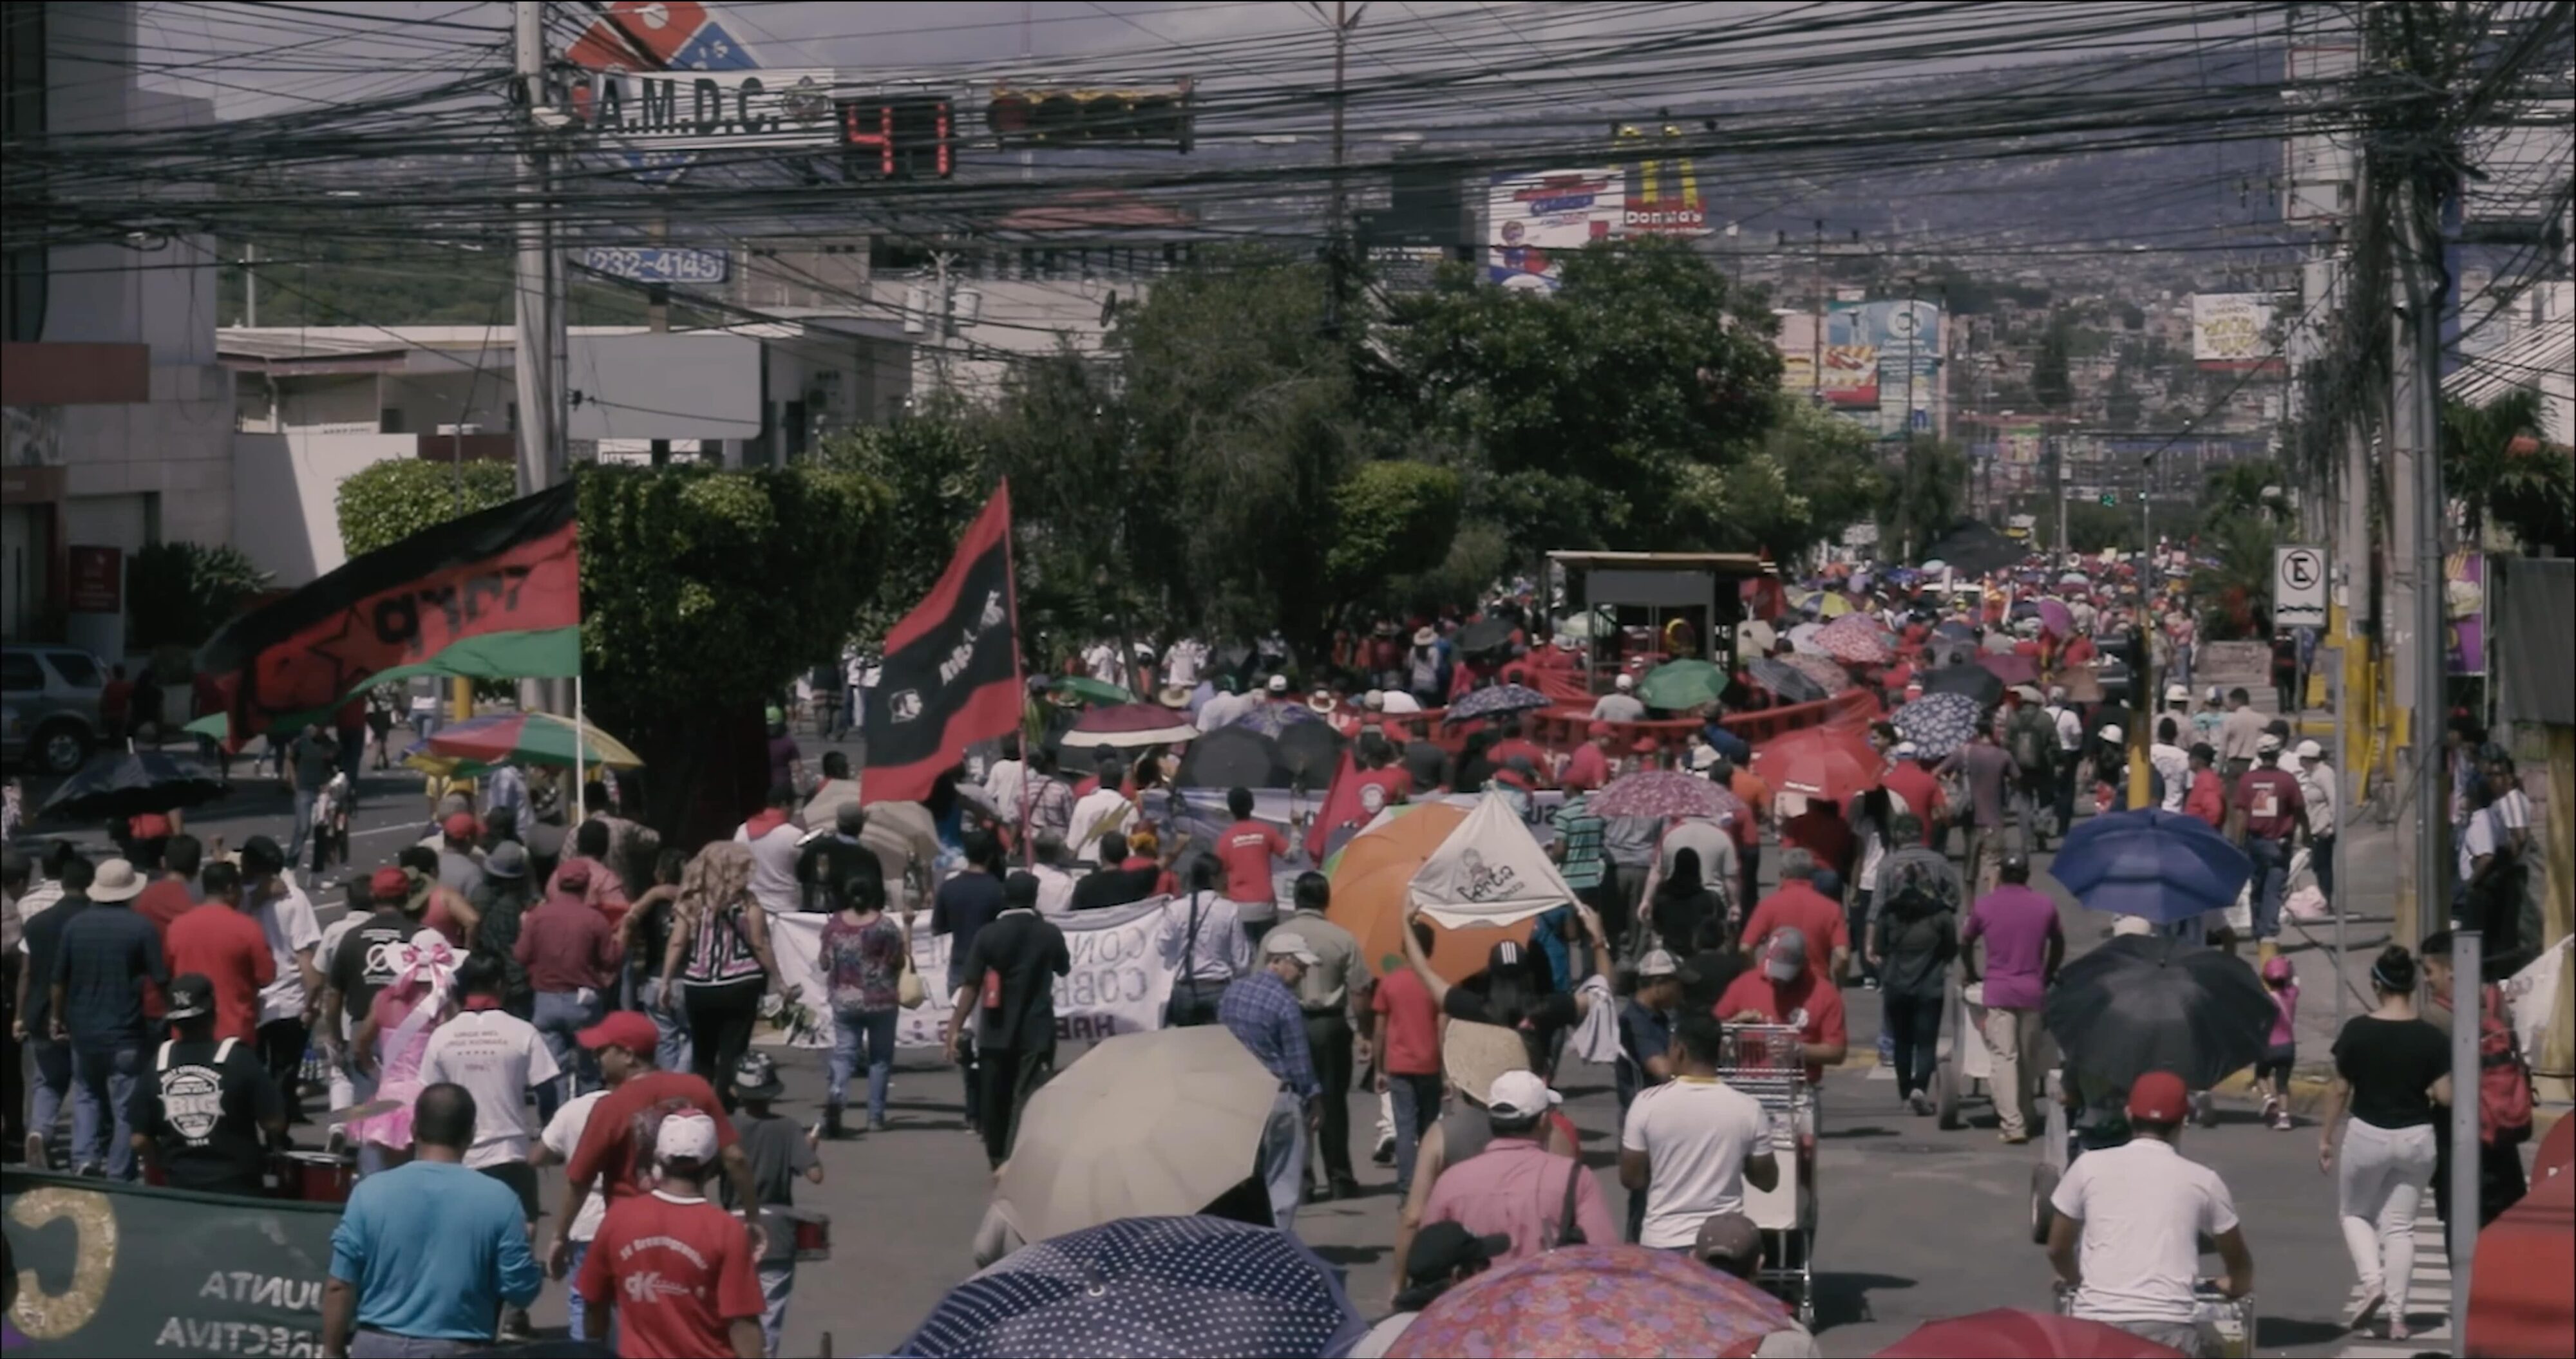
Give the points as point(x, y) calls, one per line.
point(103, 1268)
point(952, 668)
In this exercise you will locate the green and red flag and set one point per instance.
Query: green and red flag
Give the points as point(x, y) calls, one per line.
point(494, 595)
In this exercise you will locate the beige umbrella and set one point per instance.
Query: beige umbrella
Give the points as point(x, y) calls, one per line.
point(1145, 1124)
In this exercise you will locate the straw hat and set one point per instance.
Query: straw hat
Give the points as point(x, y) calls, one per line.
point(1472, 1055)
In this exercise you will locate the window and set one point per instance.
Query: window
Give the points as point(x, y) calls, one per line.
point(390, 421)
point(76, 668)
point(19, 671)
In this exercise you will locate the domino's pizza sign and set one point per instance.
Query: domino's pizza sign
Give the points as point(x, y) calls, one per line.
point(679, 34)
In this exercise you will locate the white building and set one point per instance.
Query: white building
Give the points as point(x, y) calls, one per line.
point(118, 424)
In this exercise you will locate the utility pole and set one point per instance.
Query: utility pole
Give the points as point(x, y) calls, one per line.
point(538, 315)
point(1816, 360)
point(1343, 22)
point(250, 283)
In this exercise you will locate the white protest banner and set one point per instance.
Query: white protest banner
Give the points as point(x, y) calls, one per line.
point(1118, 984)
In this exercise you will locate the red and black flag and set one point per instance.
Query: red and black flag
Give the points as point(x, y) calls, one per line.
point(494, 595)
point(952, 667)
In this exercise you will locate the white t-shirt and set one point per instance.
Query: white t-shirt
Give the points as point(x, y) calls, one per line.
point(2143, 1209)
point(2480, 840)
point(496, 1056)
point(1697, 1133)
point(324, 951)
point(2173, 763)
point(1101, 809)
point(562, 1134)
point(1181, 661)
point(2512, 809)
point(287, 920)
point(773, 866)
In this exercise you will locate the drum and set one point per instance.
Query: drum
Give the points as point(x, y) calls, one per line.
point(813, 1229)
point(315, 1176)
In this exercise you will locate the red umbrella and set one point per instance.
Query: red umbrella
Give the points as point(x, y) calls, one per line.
point(1596, 1300)
point(1821, 762)
point(2009, 1333)
point(2011, 669)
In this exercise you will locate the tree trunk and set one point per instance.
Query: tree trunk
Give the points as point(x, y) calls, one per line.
point(703, 772)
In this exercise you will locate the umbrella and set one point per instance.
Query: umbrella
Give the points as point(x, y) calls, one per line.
point(2056, 617)
point(1965, 632)
point(1494, 700)
point(2163, 866)
point(1665, 793)
point(1148, 1286)
point(1596, 1300)
point(132, 783)
point(1232, 757)
point(1821, 762)
point(1972, 681)
point(2009, 1333)
point(1131, 726)
point(1273, 716)
point(1834, 606)
point(528, 738)
point(1855, 640)
point(1676, 685)
point(2146, 1002)
point(1754, 637)
point(2023, 608)
point(1789, 682)
point(1144, 1124)
point(1827, 672)
point(1484, 636)
point(1309, 750)
point(1937, 724)
point(2074, 578)
point(1803, 638)
point(2011, 669)
point(1372, 879)
point(1089, 690)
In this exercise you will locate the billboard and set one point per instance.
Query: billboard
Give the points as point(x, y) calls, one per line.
point(1876, 353)
point(1531, 219)
point(2231, 332)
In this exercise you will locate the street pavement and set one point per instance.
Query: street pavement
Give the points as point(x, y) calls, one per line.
point(1915, 1223)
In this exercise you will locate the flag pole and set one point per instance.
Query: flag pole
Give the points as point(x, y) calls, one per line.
point(580, 744)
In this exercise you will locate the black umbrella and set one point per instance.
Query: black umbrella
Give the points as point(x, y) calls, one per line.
point(1485, 636)
point(1975, 681)
point(2144, 1003)
point(131, 784)
point(1310, 750)
point(1232, 757)
point(1787, 681)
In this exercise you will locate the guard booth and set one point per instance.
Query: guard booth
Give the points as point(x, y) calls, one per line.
point(1687, 604)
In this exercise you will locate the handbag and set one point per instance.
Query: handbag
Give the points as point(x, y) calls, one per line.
point(908, 990)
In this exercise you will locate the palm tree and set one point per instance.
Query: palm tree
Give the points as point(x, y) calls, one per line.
point(2490, 469)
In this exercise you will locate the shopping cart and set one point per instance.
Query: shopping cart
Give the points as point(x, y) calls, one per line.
point(1966, 1069)
point(1765, 1061)
point(2226, 1324)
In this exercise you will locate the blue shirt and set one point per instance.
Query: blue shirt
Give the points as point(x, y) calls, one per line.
point(965, 905)
point(433, 1249)
point(1261, 1012)
point(105, 955)
point(1643, 1035)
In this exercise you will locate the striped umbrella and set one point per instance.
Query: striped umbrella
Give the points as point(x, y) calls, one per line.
point(528, 738)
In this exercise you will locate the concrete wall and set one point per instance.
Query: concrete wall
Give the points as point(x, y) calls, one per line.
point(1016, 316)
point(286, 489)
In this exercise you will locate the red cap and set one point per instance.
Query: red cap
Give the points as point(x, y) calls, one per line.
point(621, 1029)
point(389, 884)
point(573, 877)
point(2158, 1097)
point(1645, 746)
point(1597, 729)
point(459, 825)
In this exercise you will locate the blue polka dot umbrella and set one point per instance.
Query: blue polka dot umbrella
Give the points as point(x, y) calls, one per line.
point(1148, 1286)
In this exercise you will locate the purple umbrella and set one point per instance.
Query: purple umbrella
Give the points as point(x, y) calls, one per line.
point(2056, 617)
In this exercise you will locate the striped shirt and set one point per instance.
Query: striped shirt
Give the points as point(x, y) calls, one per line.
point(719, 950)
point(1585, 859)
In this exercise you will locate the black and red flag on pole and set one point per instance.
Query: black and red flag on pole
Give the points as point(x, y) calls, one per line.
point(952, 667)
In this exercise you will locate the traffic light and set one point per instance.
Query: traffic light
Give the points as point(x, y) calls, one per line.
point(2111, 500)
point(1081, 117)
point(897, 137)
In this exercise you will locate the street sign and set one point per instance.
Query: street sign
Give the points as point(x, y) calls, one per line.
point(706, 110)
point(2298, 587)
point(676, 35)
point(657, 263)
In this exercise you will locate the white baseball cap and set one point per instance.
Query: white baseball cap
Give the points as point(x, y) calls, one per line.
point(1294, 946)
point(2175, 693)
point(688, 1135)
point(1520, 1094)
point(1625, 683)
point(1374, 700)
point(1278, 684)
point(2112, 735)
point(2310, 750)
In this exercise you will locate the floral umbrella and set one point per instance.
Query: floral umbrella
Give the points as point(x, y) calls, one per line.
point(1855, 640)
point(1665, 793)
point(1824, 670)
point(1494, 701)
point(1937, 723)
point(1596, 1300)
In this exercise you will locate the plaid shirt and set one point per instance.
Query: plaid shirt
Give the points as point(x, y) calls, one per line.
point(1584, 862)
point(1261, 1012)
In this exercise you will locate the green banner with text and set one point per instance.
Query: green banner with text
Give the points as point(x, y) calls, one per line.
point(97, 1268)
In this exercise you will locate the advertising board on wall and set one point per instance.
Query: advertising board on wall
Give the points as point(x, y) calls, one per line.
point(2231, 332)
point(1533, 219)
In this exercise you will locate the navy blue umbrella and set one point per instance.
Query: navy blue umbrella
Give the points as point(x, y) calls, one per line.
point(1937, 724)
point(1148, 1286)
point(1494, 700)
point(1271, 716)
point(2163, 866)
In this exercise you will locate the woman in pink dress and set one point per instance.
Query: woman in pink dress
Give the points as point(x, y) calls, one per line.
point(394, 1036)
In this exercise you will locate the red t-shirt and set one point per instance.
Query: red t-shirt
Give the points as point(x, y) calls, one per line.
point(1586, 768)
point(163, 903)
point(1750, 790)
point(115, 699)
point(1823, 834)
point(1380, 789)
point(678, 1270)
point(1246, 848)
point(1412, 1024)
point(617, 1144)
point(232, 951)
point(2271, 802)
point(1810, 1002)
point(1922, 792)
point(1505, 750)
point(1814, 915)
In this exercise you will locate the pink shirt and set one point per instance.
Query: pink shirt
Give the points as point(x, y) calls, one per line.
point(1516, 1188)
point(2285, 1014)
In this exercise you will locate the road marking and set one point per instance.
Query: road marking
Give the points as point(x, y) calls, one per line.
point(2428, 1294)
